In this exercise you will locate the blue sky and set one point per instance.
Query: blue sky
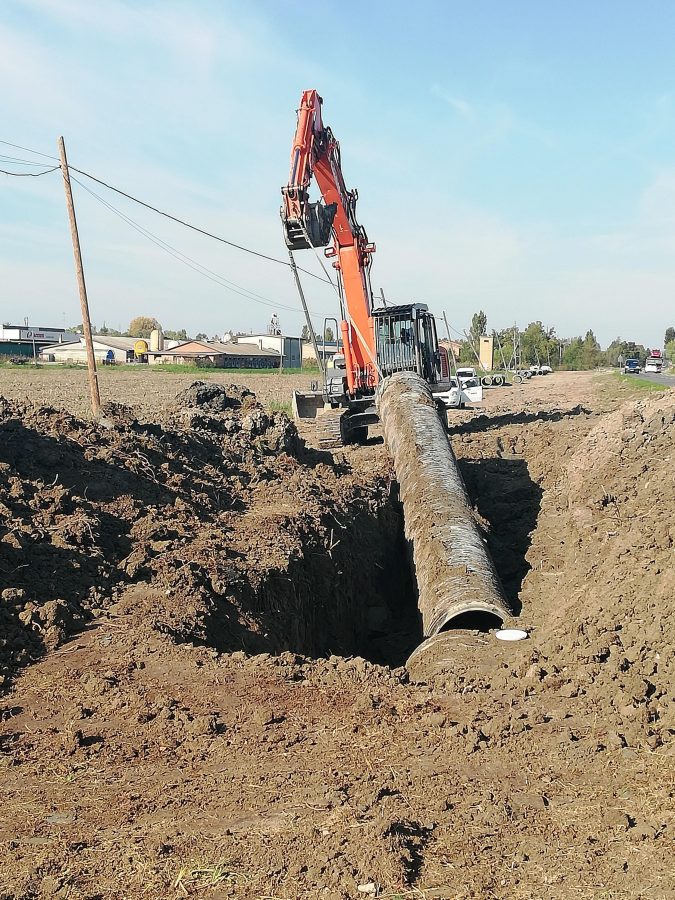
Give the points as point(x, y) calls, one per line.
point(518, 158)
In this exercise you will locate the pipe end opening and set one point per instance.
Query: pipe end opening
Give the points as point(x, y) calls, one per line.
point(473, 620)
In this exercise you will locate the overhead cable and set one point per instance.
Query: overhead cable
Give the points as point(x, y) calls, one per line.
point(28, 150)
point(29, 174)
point(176, 219)
point(209, 234)
point(187, 260)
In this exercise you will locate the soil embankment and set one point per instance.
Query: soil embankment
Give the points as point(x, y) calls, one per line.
point(187, 714)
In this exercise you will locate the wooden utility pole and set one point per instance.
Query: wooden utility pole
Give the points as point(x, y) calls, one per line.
point(79, 273)
point(447, 327)
point(310, 327)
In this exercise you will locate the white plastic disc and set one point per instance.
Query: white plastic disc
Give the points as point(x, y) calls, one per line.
point(510, 634)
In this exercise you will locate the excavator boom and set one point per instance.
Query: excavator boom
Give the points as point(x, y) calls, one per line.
point(316, 154)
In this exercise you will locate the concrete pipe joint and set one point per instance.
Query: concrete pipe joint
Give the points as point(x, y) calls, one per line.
point(457, 584)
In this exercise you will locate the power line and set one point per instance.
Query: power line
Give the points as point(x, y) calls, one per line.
point(173, 218)
point(187, 260)
point(29, 174)
point(28, 150)
point(16, 160)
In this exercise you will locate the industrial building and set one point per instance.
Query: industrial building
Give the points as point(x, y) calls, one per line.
point(288, 347)
point(106, 349)
point(221, 355)
point(27, 340)
point(120, 350)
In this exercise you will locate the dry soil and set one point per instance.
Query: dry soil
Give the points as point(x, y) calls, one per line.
point(203, 630)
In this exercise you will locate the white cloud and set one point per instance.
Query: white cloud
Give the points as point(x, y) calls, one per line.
point(463, 107)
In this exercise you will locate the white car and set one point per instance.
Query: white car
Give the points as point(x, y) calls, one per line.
point(462, 390)
point(466, 372)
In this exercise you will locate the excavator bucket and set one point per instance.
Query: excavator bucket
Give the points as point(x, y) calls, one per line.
point(313, 230)
point(306, 405)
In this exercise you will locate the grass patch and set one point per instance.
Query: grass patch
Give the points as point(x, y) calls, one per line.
point(281, 406)
point(615, 386)
point(638, 384)
point(204, 876)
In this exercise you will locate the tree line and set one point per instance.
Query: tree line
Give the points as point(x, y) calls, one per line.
point(538, 344)
point(141, 327)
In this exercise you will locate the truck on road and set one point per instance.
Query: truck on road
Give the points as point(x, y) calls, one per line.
point(654, 362)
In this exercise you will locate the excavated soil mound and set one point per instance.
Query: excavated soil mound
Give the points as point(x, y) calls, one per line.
point(599, 587)
point(142, 759)
point(203, 508)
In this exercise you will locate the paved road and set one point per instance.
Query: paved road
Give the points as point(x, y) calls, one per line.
point(667, 380)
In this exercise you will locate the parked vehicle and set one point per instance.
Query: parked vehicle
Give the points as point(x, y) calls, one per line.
point(654, 362)
point(462, 390)
point(466, 372)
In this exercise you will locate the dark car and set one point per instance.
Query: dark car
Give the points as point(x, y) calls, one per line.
point(632, 367)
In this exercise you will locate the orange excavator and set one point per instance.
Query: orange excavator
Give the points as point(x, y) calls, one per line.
point(375, 342)
point(391, 368)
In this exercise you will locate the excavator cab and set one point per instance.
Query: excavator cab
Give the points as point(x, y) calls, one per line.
point(406, 341)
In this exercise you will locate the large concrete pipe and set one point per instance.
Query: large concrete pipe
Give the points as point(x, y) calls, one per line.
point(455, 575)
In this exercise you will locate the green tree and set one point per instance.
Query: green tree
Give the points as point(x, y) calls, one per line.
point(304, 334)
point(573, 354)
point(328, 335)
point(466, 354)
point(534, 343)
point(670, 335)
point(619, 351)
point(478, 327)
point(113, 332)
point(504, 343)
point(141, 326)
point(181, 335)
point(670, 351)
point(590, 355)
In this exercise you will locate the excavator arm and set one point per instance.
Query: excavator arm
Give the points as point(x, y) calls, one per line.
point(316, 154)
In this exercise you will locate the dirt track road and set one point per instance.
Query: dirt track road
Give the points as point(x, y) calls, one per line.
point(201, 635)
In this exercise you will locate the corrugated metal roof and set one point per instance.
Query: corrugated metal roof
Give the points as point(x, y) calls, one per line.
point(115, 343)
point(220, 348)
point(209, 347)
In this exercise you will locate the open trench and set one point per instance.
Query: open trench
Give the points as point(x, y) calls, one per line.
point(353, 589)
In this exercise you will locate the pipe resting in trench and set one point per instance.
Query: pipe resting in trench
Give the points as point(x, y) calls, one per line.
point(454, 572)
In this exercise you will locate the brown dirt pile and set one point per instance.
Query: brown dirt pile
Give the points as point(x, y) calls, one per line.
point(139, 760)
point(599, 579)
point(87, 509)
